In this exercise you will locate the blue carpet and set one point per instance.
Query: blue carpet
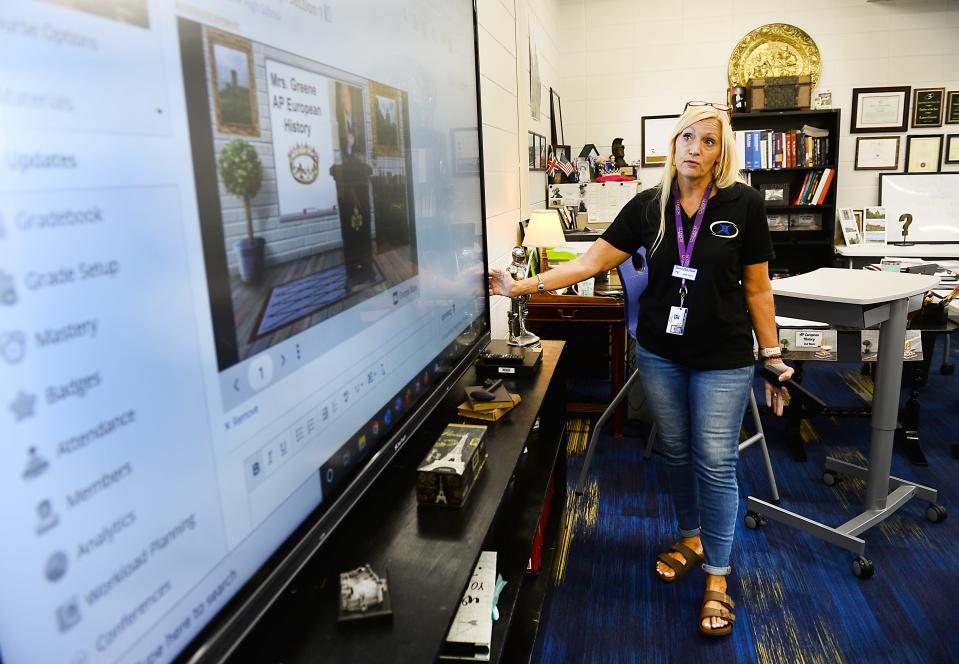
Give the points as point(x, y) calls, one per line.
point(299, 298)
point(797, 600)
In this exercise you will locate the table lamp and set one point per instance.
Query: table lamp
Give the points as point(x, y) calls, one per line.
point(544, 230)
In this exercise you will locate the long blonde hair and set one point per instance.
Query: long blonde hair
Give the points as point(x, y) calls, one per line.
point(725, 170)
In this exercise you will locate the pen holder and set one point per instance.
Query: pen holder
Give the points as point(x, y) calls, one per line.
point(931, 313)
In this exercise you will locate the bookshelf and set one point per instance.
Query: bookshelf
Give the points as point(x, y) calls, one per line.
point(798, 250)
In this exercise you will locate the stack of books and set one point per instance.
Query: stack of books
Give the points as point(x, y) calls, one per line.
point(489, 410)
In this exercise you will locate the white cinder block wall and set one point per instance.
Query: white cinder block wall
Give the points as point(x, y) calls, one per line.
point(511, 190)
point(623, 59)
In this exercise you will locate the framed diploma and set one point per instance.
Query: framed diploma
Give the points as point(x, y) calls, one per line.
point(656, 132)
point(927, 106)
point(877, 153)
point(952, 107)
point(924, 153)
point(879, 109)
point(952, 149)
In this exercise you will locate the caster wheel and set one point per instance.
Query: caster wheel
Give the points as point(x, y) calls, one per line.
point(936, 513)
point(829, 478)
point(754, 520)
point(863, 567)
point(947, 369)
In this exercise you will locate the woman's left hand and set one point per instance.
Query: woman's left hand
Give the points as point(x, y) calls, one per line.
point(777, 397)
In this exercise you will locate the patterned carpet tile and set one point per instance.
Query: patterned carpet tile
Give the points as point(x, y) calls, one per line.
point(797, 600)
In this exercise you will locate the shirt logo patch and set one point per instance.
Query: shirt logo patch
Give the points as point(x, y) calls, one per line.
point(726, 229)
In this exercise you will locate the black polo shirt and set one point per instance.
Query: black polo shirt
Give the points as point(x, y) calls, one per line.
point(734, 233)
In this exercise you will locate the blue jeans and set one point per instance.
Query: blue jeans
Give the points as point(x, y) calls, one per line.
point(698, 416)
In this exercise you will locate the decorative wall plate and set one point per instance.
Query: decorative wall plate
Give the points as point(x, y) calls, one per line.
point(774, 49)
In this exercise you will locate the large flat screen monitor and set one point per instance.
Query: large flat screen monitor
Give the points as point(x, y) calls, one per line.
point(241, 257)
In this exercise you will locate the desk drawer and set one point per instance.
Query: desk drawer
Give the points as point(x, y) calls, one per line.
point(575, 313)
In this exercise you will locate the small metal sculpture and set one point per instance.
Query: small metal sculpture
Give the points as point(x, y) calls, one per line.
point(906, 221)
point(518, 334)
point(619, 150)
point(360, 589)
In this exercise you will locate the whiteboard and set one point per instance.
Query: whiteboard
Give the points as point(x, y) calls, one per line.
point(931, 198)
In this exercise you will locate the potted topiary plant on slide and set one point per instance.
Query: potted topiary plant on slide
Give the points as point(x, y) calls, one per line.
point(242, 174)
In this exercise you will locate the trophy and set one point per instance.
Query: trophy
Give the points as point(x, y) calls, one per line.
point(518, 334)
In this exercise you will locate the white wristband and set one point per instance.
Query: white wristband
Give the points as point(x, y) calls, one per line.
point(770, 352)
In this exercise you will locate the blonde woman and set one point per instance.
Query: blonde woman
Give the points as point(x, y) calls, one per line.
point(708, 249)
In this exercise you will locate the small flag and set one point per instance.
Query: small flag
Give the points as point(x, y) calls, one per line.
point(567, 167)
point(552, 166)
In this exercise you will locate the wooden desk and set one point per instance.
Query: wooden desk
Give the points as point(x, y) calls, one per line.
point(610, 312)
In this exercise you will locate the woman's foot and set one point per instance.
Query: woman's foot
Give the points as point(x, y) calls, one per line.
point(716, 624)
point(665, 571)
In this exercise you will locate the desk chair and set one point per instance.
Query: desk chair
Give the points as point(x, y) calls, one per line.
point(634, 277)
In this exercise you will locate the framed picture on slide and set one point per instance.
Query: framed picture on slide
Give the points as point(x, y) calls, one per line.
point(879, 109)
point(385, 109)
point(234, 84)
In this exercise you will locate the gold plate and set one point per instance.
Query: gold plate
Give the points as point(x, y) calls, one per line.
point(774, 49)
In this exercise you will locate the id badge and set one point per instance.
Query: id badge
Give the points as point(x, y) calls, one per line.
point(687, 273)
point(676, 324)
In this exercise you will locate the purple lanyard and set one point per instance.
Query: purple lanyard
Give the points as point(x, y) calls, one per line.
point(686, 250)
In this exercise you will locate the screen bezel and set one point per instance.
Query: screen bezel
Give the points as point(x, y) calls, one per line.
point(222, 635)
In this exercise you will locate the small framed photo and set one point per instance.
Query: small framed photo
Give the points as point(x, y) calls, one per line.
point(538, 163)
point(556, 118)
point(857, 215)
point(952, 149)
point(924, 153)
point(927, 107)
point(775, 193)
point(877, 153)
point(952, 107)
point(542, 152)
point(822, 100)
point(531, 145)
point(847, 223)
point(879, 109)
point(561, 152)
point(234, 84)
point(656, 144)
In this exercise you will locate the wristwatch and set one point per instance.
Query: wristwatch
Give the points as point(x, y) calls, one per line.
point(540, 286)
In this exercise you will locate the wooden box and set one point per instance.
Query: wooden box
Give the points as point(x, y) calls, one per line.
point(782, 93)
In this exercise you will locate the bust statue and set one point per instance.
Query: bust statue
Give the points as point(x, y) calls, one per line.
point(618, 151)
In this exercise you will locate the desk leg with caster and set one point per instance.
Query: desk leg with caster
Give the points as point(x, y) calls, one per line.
point(884, 494)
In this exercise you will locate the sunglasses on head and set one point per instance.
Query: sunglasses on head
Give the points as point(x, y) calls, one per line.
point(726, 108)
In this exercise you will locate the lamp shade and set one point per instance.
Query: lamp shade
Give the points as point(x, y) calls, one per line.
point(544, 229)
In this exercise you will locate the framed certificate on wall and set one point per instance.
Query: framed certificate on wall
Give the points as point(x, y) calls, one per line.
point(924, 153)
point(879, 109)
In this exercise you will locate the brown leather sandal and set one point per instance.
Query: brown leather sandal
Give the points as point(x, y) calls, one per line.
point(726, 613)
point(679, 568)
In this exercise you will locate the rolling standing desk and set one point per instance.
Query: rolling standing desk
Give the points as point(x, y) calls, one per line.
point(859, 299)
